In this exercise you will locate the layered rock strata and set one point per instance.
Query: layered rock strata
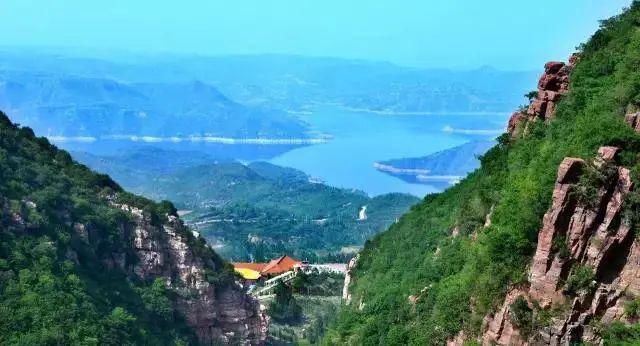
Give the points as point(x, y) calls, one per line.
point(221, 313)
point(575, 236)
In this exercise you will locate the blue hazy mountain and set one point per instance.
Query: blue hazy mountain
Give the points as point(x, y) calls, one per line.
point(69, 105)
point(298, 83)
point(442, 168)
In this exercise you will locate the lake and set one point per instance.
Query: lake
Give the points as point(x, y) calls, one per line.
point(361, 138)
point(358, 139)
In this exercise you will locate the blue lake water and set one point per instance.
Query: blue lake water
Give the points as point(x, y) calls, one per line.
point(362, 138)
point(358, 140)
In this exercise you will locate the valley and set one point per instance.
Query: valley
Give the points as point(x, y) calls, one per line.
point(280, 173)
point(256, 160)
point(256, 211)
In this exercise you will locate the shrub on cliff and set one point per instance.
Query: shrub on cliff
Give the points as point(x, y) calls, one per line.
point(284, 307)
point(55, 288)
point(619, 334)
point(581, 280)
point(521, 315)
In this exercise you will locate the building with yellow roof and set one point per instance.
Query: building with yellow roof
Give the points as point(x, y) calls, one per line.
point(247, 273)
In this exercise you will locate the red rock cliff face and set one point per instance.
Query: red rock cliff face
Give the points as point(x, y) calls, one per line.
point(576, 235)
point(223, 314)
point(552, 86)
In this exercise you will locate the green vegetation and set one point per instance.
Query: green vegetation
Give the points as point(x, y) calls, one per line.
point(308, 312)
point(522, 315)
point(632, 308)
point(619, 334)
point(592, 177)
point(318, 312)
point(257, 211)
point(580, 281)
point(318, 284)
point(261, 211)
point(56, 284)
point(284, 308)
point(469, 276)
point(531, 95)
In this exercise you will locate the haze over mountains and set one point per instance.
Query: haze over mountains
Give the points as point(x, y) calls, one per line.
point(173, 127)
point(169, 124)
point(297, 83)
point(157, 187)
point(72, 106)
point(268, 104)
point(443, 168)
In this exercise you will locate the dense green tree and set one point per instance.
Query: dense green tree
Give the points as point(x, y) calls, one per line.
point(284, 307)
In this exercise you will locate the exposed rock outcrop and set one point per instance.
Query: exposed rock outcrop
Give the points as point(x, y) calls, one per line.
point(346, 295)
point(458, 340)
point(633, 120)
point(499, 328)
point(577, 236)
point(552, 86)
point(216, 314)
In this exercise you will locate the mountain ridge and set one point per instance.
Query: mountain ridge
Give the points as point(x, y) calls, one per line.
point(83, 261)
point(68, 106)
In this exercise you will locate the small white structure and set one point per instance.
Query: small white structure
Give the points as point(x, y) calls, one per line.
point(362, 215)
point(340, 268)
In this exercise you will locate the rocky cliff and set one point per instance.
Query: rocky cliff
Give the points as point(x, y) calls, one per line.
point(552, 86)
point(346, 295)
point(222, 313)
point(539, 245)
point(586, 263)
point(104, 266)
point(585, 266)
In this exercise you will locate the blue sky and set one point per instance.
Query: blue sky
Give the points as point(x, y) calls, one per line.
point(509, 34)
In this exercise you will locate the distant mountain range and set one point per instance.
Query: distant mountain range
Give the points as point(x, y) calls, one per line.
point(440, 169)
point(297, 84)
point(69, 107)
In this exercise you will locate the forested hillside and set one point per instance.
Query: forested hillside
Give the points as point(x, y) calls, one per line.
point(257, 211)
point(451, 260)
point(84, 262)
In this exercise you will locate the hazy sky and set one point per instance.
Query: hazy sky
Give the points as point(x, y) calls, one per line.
point(512, 34)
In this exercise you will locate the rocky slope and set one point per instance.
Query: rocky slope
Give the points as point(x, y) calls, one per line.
point(577, 235)
point(108, 266)
point(557, 263)
point(163, 251)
